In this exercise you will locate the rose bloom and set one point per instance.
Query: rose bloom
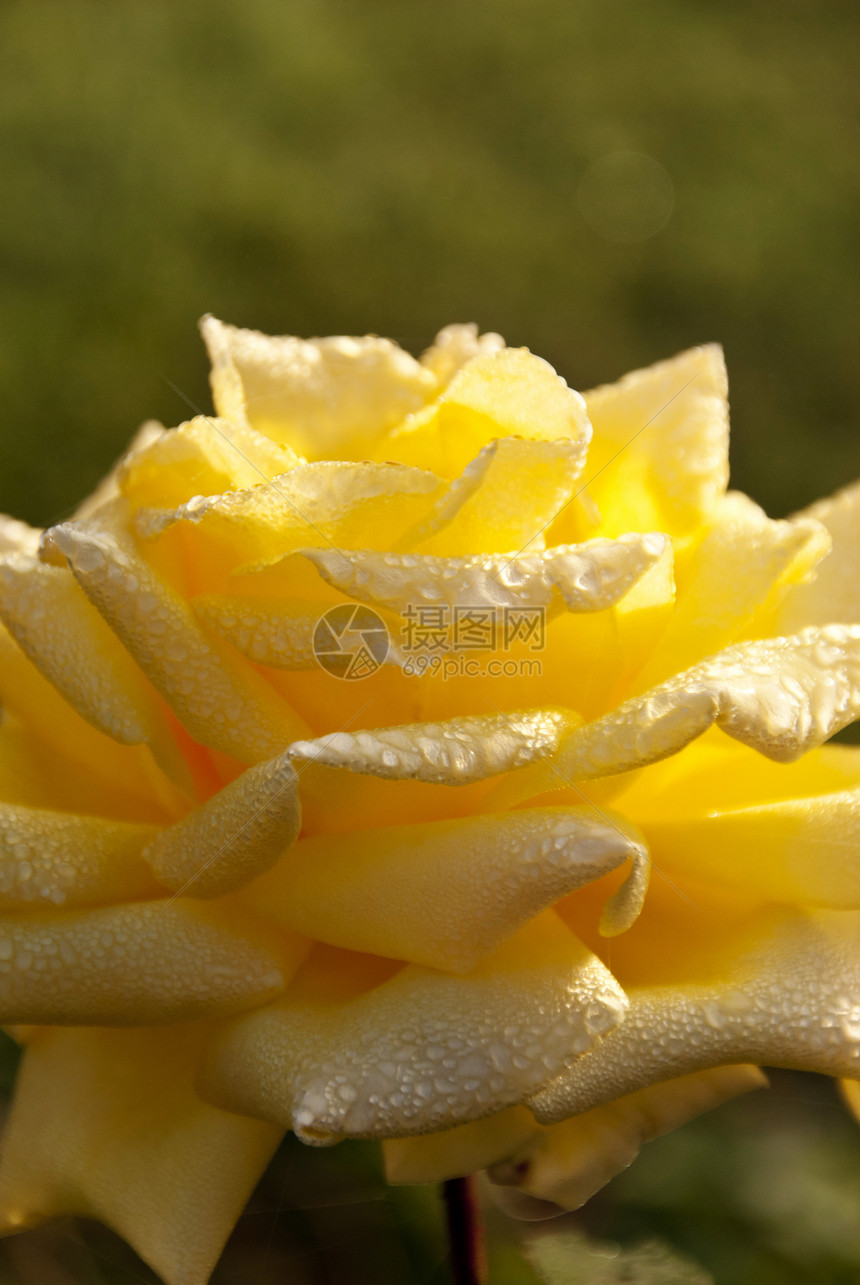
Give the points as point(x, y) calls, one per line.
point(552, 879)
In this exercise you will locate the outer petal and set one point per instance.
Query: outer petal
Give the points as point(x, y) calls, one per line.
point(325, 397)
point(142, 963)
point(333, 504)
point(446, 893)
point(568, 1162)
point(106, 1124)
point(782, 696)
point(782, 990)
point(834, 594)
point(17, 537)
point(454, 346)
point(660, 455)
point(62, 761)
point(219, 699)
point(423, 1050)
point(744, 563)
point(458, 1152)
point(50, 618)
point(233, 837)
point(509, 393)
point(59, 859)
point(202, 457)
point(589, 577)
point(456, 752)
point(107, 490)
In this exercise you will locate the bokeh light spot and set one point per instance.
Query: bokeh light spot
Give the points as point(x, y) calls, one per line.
point(626, 196)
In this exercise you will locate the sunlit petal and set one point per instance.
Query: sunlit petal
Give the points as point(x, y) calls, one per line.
point(325, 397)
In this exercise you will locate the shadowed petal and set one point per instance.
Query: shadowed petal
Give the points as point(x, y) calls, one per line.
point(219, 699)
point(784, 990)
point(781, 696)
point(59, 859)
point(233, 837)
point(422, 1050)
point(106, 1124)
point(568, 1162)
point(458, 1152)
point(447, 893)
point(145, 962)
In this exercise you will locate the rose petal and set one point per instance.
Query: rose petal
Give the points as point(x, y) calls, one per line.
point(445, 893)
point(851, 1095)
point(64, 762)
point(504, 499)
point(834, 593)
point(715, 775)
point(48, 615)
point(324, 397)
point(781, 696)
point(660, 455)
point(422, 1050)
point(458, 1152)
point(456, 752)
point(276, 632)
point(782, 989)
point(508, 393)
point(106, 1124)
point(61, 859)
point(107, 490)
point(139, 963)
point(17, 537)
point(332, 504)
point(232, 838)
point(568, 1162)
point(454, 346)
point(589, 577)
point(736, 575)
point(218, 698)
point(800, 851)
point(204, 456)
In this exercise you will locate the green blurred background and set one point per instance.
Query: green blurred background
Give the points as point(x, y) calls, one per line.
point(607, 183)
point(331, 166)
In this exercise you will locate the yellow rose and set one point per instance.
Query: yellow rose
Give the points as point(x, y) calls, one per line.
point(244, 891)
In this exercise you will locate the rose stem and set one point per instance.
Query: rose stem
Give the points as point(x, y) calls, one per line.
point(465, 1231)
